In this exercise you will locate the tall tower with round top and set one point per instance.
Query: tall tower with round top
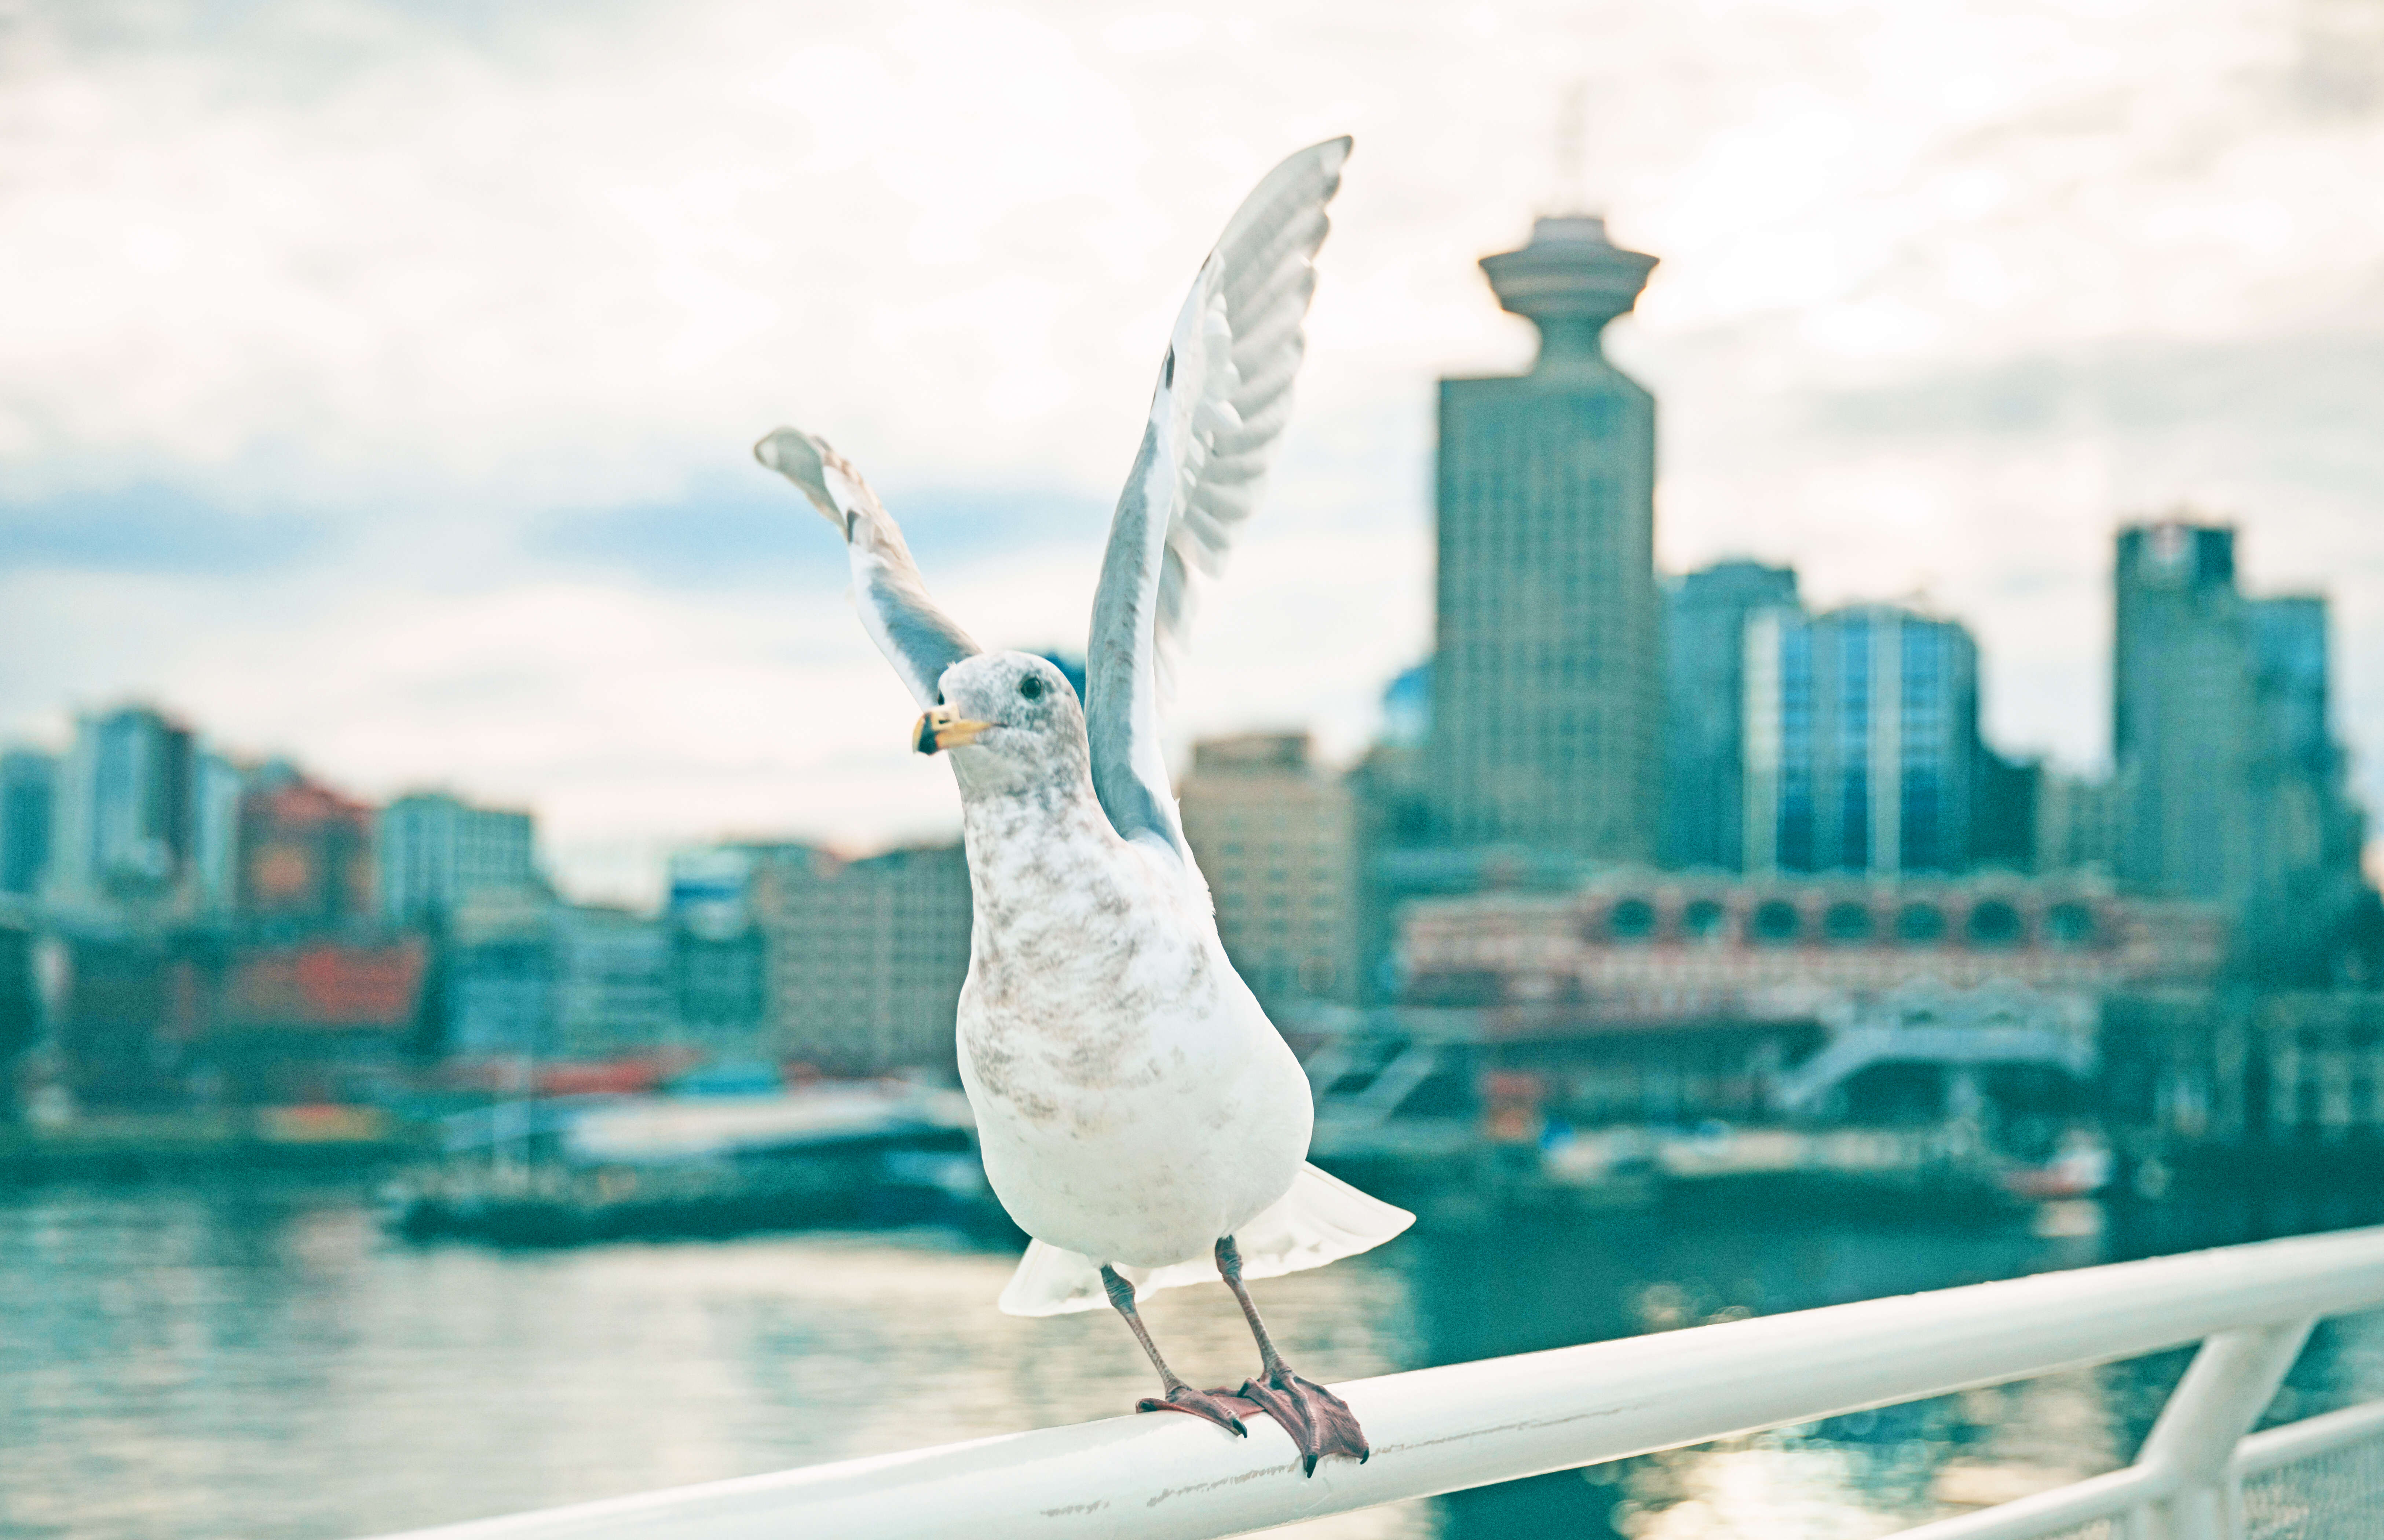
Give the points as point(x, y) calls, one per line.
point(1547, 688)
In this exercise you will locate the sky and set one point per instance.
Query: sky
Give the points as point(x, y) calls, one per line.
point(377, 379)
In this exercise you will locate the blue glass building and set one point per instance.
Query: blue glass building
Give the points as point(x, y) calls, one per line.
point(2289, 655)
point(1860, 740)
point(1705, 659)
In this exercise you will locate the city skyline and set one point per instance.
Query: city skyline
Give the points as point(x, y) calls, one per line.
point(2280, 644)
point(649, 891)
point(1945, 298)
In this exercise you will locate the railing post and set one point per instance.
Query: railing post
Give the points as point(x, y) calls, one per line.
point(2229, 1383)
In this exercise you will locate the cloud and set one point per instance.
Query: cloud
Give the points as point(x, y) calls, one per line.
point(755, 529)
point(387, 394)
point(151, 528)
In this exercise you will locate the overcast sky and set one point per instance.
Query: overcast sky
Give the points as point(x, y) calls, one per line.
point(376, 379)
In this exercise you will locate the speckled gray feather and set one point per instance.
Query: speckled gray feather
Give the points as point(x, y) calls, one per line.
point(919, 640)
point(1216, 418)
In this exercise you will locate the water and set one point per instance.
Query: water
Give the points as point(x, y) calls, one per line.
point(262, 1362)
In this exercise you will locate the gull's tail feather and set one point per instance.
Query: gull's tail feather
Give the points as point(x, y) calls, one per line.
point(1322, 1219)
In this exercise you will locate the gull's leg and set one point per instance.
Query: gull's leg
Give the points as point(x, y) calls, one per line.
point(1217, 1406)
point(1318, 1421)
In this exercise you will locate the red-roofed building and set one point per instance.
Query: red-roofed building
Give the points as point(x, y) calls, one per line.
point(306, 854)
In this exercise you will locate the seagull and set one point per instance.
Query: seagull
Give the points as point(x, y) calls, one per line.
point(1139, 1116)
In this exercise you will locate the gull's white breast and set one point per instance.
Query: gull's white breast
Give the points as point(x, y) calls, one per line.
point(1133, 1101)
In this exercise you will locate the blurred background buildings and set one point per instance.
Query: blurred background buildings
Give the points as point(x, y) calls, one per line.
point(1665, 846)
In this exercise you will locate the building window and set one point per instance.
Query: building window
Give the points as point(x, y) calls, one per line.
point(1921, 924)
point(1776, 920)
point(1846, 923)
point(1994, 923)
point(1631, 920)
point(2069, 924)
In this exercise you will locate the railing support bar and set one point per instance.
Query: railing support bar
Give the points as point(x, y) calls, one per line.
point(2230, 1382)
point(2121, 1496)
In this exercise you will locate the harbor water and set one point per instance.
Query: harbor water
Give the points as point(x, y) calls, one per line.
point(262, 1361)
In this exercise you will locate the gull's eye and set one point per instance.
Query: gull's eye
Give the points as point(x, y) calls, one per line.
point(1031, 687)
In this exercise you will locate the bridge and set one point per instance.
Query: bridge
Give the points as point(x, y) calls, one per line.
point(1849, 1053)
point(2200, 1474)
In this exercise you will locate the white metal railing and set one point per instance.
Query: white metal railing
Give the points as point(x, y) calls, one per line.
point(1471, 1424)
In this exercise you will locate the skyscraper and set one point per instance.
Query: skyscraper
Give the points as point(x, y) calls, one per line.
point(1547, 692)
point(1705, 659)
point(1861, 741)
point(2230, 781)
point(28, 786)
point(125, 822)
point(2184, 718)
point(2308, 831)
point(144, 827)
point(217, 787)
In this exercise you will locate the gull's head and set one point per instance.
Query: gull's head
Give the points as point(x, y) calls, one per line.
point(1013, 714)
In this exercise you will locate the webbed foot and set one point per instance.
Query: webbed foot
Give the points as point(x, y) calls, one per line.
point(1318, 1421)
point(1221, 1407)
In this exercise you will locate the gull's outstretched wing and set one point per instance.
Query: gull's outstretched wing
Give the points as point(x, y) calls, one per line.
point(1224, 393)
point(919, 640)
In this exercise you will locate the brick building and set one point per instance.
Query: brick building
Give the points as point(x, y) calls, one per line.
point(1275, 835)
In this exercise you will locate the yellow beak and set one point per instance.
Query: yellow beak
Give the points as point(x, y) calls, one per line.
point(942, 728)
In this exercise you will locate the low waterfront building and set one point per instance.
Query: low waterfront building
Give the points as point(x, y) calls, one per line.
point(611, 984)
point(1275, 835)
point(434, 851)
point(1667, 996)
point(151, 1023)
point(2213, 1072)
point(317, 1021)
point(719, 979)
point(497, 975)
point(864, 959)
point(1629, 945)
point(120, 1008)
point(21, 1003)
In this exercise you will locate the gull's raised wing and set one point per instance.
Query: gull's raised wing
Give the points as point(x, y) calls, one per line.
point(1223, 396)
point(919, 640)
